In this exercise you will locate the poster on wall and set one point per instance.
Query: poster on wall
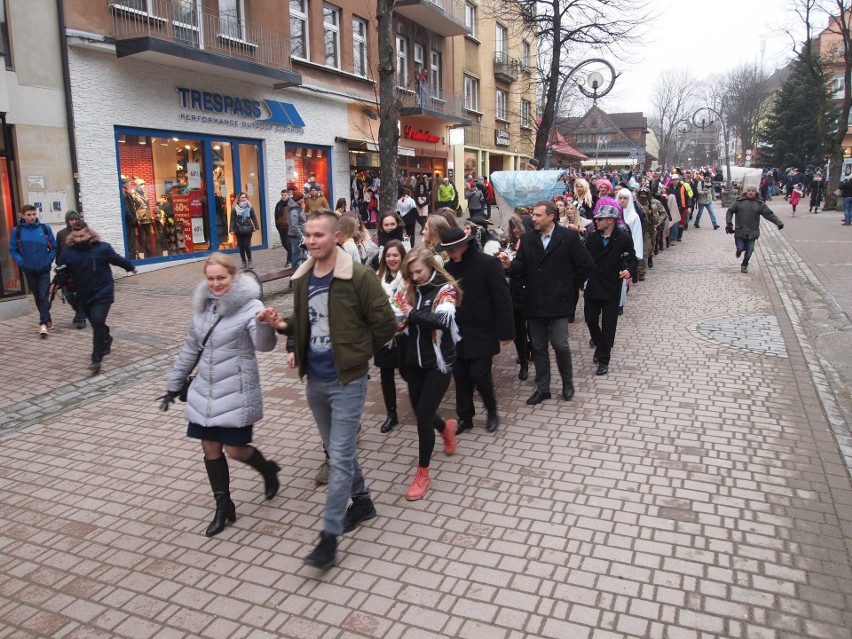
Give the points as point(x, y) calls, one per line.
point(50, 205)
point(183, 219)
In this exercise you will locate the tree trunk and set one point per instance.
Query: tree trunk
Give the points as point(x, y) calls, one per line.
point(388, 107)
point(549, 112)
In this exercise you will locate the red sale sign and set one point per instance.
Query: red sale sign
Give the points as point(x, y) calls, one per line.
point(182, 212)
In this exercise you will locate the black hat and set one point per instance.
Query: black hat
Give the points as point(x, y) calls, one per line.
point(453, 238)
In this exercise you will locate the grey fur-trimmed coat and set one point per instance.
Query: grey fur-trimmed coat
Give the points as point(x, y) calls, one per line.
point(226, 389)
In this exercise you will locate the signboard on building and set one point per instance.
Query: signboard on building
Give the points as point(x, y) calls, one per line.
point(501, 138)
point(239, 111)
point(421, 135)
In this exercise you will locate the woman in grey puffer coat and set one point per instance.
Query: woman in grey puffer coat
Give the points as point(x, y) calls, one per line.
point(224, 400)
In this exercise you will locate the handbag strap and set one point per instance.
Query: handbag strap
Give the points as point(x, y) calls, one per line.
point(204, 343)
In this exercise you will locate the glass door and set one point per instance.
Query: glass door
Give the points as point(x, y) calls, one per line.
point(224, 191)
point(250, 184)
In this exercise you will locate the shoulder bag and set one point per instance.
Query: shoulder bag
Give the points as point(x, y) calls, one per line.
point(184, 389)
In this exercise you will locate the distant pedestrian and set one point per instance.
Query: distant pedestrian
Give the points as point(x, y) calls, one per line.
point(243, 225)
point(817, 192)
point(63, 238)
point(296, 229)
point(748, 209)
point(87, 261)
point(446, 194)
point(282, 223)
point(846, 193)
point(796, 195)
point(224, 400)
point(33, 246)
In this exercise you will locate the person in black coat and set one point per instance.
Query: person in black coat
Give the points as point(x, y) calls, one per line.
point(553, 263)
point(485, 321)
point(615, 260)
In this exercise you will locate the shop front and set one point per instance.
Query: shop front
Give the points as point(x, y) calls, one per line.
point(183, 149)
point(10, 275)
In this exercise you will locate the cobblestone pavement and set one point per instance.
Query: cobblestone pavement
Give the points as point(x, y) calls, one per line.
point(697, 491)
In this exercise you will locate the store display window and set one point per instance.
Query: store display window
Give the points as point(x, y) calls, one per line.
point(178, 191)
point(10, 274)
point(309, 165)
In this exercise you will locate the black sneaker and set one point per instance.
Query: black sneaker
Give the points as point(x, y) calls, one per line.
point(359, 510)
point(108, 348)
point(95, 366)
point(463, 425)
point(325, 554)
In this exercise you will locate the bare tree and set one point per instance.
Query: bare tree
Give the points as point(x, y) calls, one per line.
point(389, 105)
point(745, 98)
point(672, 102)
point(562, 26)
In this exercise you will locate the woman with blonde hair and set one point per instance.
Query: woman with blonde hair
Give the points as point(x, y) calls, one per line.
point(348, 227)
point(435, 226)
point(223, 402)
point(428, 302)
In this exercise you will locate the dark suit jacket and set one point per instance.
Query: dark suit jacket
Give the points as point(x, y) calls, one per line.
point(551, 276)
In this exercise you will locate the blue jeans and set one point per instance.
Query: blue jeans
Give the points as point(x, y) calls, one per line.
point(296, 256)
point(39, 284)
point(337, 410)
point(748, 247)
point(709, 208)
point(674, 233)
point(847, 209)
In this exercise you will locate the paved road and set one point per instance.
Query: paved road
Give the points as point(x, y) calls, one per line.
point(700, 490)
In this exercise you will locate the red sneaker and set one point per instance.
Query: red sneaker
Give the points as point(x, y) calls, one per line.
point(449, 436)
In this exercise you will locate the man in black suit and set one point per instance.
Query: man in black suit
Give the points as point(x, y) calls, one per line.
point(553, 262)
point(615, 260)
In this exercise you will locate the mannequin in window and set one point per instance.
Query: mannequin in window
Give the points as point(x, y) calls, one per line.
point(143, 217)
point(221, 218)
point(130, 223)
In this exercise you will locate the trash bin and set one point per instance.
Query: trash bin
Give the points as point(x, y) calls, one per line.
point(728, 197)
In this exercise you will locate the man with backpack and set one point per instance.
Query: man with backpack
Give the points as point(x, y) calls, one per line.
point(33, 246)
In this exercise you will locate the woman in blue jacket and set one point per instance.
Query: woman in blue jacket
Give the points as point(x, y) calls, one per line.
point(87, 261)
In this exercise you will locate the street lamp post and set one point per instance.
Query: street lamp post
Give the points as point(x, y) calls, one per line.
point(728, 191)
point(594, 79)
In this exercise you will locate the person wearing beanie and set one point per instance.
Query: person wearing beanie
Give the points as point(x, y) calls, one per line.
point(62, 240)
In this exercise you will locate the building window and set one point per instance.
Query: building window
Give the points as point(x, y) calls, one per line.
point(471, 93)
point(299, 29)
point(526, 63)
point(401, 62)
point(526, 114)
point(143, 6)
point(331, 35)
point(470, 18)
point(232, 17)
point(359, 46)
point(839, 86)
point(502, 99)
point(435, 73)
point(501, 43)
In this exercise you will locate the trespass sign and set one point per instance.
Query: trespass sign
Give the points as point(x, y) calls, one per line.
point(237, 111)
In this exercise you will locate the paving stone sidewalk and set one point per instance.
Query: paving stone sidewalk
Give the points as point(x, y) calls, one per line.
point(696, 491)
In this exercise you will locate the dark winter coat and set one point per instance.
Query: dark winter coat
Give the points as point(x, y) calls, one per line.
point(432, 329)
point(88, 263)
point(235, 216)
point(226, 388)
point(485, 315)
point(604, 282)
point(552, 276)
point(748, 213)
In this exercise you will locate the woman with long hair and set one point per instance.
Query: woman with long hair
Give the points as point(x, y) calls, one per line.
point(389, 358)
point(348, 227)
point(224, 400)
point(428, 301)
point(435, 226)
point(340, 207)
point(243, 224)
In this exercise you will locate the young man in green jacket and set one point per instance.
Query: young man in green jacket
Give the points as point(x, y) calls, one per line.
point(341, 316)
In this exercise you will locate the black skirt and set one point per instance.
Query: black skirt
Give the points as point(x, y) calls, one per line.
point(224, 435)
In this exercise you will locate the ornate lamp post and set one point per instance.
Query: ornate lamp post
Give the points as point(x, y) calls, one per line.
point(593, 79)
point(707, 120)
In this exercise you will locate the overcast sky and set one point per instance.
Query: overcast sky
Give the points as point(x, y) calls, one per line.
point(706, 37)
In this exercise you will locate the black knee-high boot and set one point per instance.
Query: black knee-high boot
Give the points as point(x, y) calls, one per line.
point(220, 480)
point(268, 469)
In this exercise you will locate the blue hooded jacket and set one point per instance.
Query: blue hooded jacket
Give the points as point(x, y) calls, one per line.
point(89, 264)
point(36, 250)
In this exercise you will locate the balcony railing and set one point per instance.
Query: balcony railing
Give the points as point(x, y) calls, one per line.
point(444, 17)
point(416, 102)
point(181, 22)
point(506, 69)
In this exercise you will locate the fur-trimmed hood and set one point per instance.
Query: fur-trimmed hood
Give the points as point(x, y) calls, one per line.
point(244, 290)
point(343, 265)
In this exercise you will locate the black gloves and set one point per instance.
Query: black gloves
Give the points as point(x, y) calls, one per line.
point(729, 229)
point(781, 226)
point(165, 400)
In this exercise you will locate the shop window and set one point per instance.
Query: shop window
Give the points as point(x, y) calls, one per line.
point(168, 192)
point(331, 35)
point(359, 46)
point(308, 165)
point(299, 29)
point(10, 274)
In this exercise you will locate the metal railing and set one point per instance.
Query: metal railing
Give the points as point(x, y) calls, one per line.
point(505, 67)
point(451, 105)
point(453, 8)
point(185, 23)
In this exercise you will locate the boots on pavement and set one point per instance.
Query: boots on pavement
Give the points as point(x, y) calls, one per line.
point(217, 473)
